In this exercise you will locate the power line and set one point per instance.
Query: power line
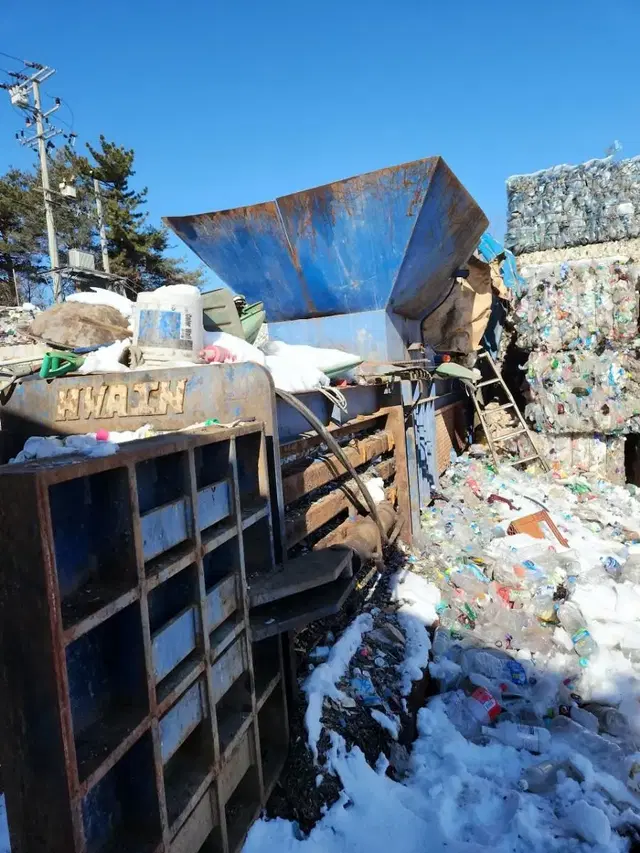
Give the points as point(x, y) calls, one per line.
point(8, 56)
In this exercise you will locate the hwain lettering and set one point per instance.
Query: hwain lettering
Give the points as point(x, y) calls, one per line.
point(118, 400)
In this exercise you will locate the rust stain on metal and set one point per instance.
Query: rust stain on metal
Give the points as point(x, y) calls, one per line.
point(324, 470)
point(144, 399)
point(345, 496)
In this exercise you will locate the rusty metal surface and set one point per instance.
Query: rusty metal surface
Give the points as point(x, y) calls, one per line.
point(305, 572)
point(322, 471)
point(402, 231)
point(300, 525)
point(80, 715)
point(170, 399)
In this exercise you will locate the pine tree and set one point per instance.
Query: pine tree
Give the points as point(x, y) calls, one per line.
point(22, 246)
point(136, 248)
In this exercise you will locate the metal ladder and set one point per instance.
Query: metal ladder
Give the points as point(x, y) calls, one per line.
point(475, 391)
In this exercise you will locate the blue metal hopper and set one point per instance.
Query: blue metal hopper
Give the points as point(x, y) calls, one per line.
point(387, 241)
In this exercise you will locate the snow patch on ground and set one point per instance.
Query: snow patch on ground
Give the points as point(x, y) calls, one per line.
point(417, 613)
point(459, 798)
point(322, 681)
point(391, 725)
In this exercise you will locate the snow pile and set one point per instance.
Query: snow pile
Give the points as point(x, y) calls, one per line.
point(417, 613)
point(322, 681)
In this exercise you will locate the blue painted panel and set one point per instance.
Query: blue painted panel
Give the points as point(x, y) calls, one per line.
point(425, 426)
point(361, 400)
point(171, 644)
point(351, 236)
point(124, 805)
point(213, 504)
point(248, 248)
point(445, 236)
point(178, 723)
point(228, 669)
point(410, 391)
point(390, 236)
point(373, 335)
point(164, 528)
point(221, 602)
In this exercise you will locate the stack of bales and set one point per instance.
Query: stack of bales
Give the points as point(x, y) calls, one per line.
point(576, 232)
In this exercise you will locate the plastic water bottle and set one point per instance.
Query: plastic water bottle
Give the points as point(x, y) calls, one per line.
point(531, 738)
point(610, 720)
point(573, 622)
point(612, 565)
point(470, 713)
point(495, 666)
point(542, 778)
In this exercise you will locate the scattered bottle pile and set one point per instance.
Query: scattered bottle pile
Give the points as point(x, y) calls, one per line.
point(538, 646)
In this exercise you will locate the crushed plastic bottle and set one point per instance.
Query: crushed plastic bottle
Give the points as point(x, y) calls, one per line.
point(470, 713)
point(531, 738)
point(573, 622)
point(610, 720)
point(500, 667)
point(600, 751)
point(542, 778)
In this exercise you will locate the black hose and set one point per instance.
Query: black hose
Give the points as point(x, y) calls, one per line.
point(320, 428)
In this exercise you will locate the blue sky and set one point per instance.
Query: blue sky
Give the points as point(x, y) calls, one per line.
point(231, 102)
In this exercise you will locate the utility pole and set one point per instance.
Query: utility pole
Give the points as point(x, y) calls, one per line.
point(48, 207)
point(101, 228)
point(27, 88)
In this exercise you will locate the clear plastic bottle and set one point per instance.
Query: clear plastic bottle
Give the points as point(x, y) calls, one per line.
point(470, 584)
point(442, 642)
point(494, 665)
point(531, 738)
point(610, 720)
point(584, 718)
point(600, 751)
point(470, 713)
point(573, 622)
point(543, 777)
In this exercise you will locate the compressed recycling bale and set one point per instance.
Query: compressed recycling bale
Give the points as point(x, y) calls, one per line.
point(578, 304)
point(602, 455)
point(623, 250)
point(583, 392)
point(564, 206)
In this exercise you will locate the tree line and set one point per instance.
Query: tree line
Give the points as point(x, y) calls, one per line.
point(137, 249)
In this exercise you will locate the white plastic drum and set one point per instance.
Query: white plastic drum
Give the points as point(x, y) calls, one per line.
point(168, 323)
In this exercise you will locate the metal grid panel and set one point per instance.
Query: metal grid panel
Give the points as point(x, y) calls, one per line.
point(450, 433)
point(131, 704)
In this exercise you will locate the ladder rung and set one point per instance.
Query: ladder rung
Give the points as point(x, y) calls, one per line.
point(509, 435)
point(527, 459)
point(488, 382)
point(483, 354)
point(488, 412)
